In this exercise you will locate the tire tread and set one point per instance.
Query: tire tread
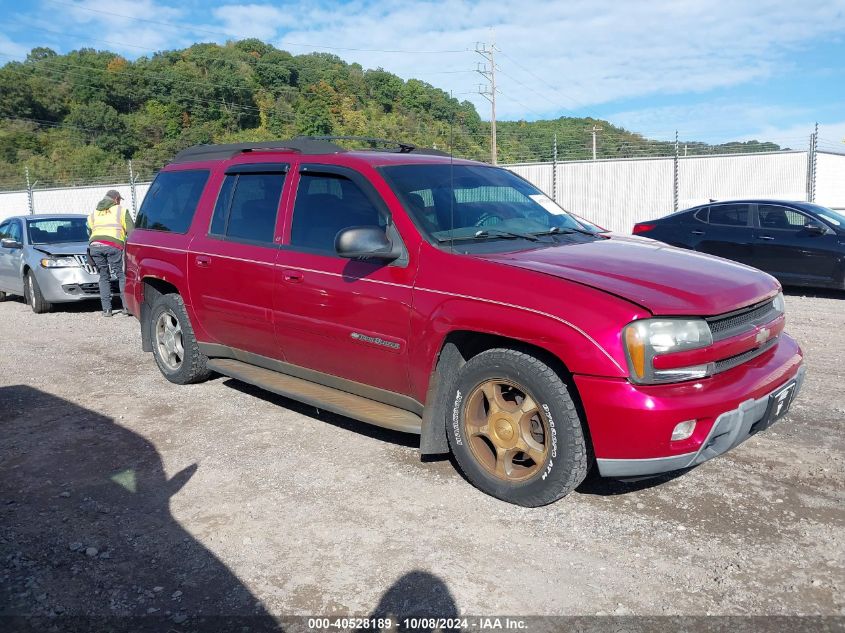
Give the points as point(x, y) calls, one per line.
point(573, 432)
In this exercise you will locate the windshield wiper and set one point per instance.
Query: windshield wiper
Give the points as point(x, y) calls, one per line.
point(485, 233)
point(557, 230)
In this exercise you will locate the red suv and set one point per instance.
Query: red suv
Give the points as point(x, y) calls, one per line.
point(455, 300)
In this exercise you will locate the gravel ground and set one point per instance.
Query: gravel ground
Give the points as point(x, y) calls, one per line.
point(121, 493)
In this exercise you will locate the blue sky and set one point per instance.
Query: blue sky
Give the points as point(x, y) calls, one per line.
point(714, 70)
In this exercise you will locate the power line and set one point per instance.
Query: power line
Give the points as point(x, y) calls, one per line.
point(536, 76)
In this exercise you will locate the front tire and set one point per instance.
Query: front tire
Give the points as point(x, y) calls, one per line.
point(514, 429)
point(33, 295)
point(175, 347)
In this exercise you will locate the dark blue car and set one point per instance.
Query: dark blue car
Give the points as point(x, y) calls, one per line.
point(800, 243)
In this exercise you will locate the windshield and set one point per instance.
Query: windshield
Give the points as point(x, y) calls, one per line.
point(56, 230)
point(474, 201)
point(836, 218)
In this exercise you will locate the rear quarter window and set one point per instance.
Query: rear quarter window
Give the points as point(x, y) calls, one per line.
point(172, 200)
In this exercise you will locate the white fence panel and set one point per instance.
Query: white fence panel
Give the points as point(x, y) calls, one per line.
point(618, 193)
point(69, 200)
point(830, 180)
point(615, 193)
point(781, 175)
point(13, 203)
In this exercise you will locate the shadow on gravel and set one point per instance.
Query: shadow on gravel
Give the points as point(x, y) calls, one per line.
point(600, 486)
point(89, 305)
point(341, 421)
point(417, 596)
point(87, 540)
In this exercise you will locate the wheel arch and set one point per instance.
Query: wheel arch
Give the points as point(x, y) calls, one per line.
point(151, 288)
point(457, 348)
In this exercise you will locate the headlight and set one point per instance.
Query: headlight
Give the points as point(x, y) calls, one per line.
point(59, 262)
point(643, 340)
point(778, 303)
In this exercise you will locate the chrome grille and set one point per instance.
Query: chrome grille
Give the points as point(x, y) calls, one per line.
point(743, 320)
point(82, 260)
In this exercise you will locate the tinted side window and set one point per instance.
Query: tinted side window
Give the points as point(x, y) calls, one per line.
point(325, 205)
point(777, 217)
point(4, 230)
point(729, 215)
point(702, 215)
point(246, 207)
point(172, 200)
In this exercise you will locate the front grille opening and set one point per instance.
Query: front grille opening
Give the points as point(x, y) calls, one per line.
point(734, 361)
point(727, 325)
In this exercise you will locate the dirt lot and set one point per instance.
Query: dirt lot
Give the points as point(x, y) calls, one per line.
point(121, 493)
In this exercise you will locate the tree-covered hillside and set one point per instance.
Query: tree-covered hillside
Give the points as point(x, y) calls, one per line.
point(79, 117)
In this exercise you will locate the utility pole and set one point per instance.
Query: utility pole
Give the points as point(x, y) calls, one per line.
point(594, 131)
point(488, 71)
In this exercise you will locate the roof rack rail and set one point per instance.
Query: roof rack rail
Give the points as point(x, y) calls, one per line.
point(389, 146)
point(301, 144)
point(312, 145)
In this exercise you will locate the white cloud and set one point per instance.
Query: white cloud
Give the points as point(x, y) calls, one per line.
point(556, 57)
point(119, 25)
point(831, 135)
point(10, 48)
point(254, 20)
point(585, 53)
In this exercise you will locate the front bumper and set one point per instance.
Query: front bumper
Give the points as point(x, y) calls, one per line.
point(631, 425)
point(729, 430)
point(60, 285)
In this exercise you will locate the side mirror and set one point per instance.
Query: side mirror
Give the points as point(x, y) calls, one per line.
point(364, 242)
point(8, 242)
point(815, 229)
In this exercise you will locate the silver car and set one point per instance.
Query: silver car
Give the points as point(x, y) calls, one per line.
point(44, 258)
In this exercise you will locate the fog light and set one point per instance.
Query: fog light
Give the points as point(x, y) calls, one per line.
point(683, 430)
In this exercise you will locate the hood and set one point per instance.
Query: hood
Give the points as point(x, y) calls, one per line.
point(664, 279)
point(62, 248)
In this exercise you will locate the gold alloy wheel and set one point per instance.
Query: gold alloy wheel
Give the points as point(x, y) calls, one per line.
point(507, 431)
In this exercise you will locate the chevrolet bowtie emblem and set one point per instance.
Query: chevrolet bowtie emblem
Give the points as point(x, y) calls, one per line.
point(763, 335)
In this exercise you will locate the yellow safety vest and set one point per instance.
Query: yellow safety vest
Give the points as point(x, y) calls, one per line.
point(108, 224)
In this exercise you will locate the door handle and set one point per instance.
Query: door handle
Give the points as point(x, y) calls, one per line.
point(765, 237)
point(697, 232)
point(202, 260)
point(292, 276)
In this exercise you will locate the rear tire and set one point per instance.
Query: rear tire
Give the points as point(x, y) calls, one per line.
point(33, 295)
point(175, 347)
point(514, 429)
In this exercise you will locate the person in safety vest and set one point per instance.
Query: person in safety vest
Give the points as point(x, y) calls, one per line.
point(109, 225)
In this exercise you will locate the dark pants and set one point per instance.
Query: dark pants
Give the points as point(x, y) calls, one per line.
point(108, 260)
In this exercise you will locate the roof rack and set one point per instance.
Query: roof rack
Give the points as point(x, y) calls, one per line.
point(387, 145)
point(312, 145)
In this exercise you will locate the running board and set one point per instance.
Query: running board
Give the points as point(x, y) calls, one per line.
point(320, 396)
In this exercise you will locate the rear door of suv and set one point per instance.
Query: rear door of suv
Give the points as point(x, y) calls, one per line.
point(341, 317)
point(231, 258)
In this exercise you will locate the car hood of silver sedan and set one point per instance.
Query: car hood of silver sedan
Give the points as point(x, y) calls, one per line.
point(62, 248)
